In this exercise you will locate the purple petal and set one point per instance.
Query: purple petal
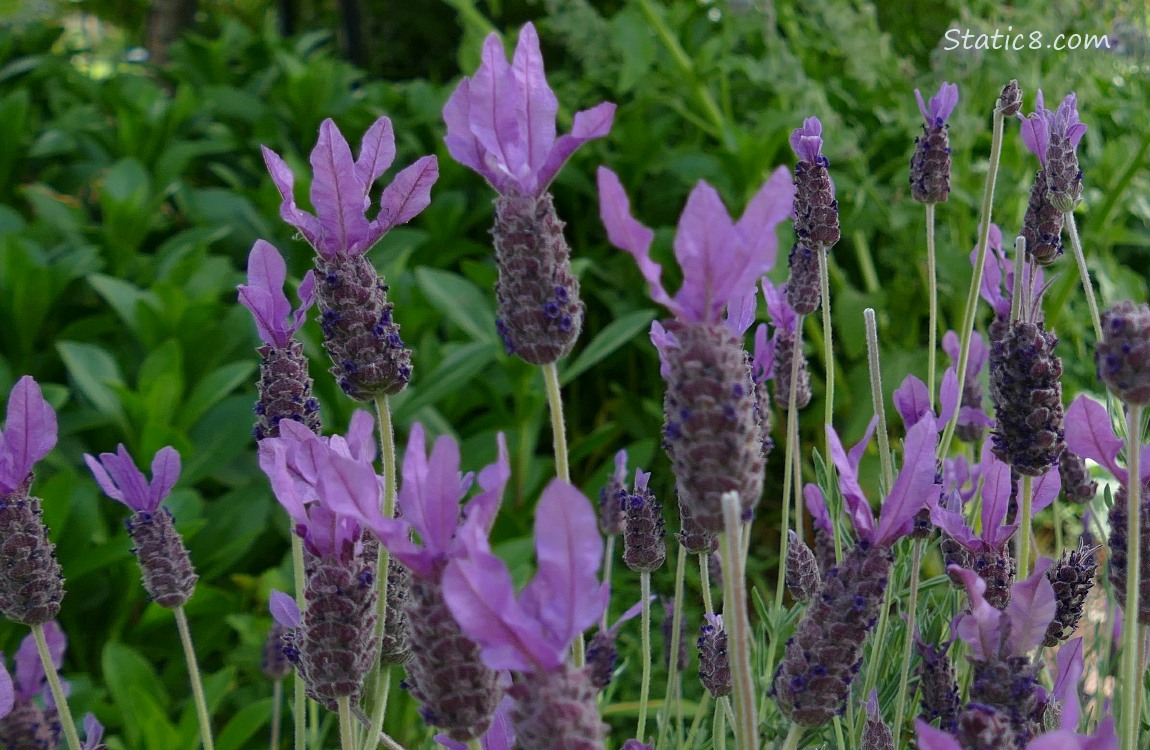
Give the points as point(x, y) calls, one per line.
point(948, 395)
point(1090, 434)
point(930, 738)
point(977, 356)
point(631, 613)
point(93, 732)
point(1066, 686)
point(1032, 606)
point(952, 346)
point(856, 502)
point(481, 597)
point(589, 124)
point(29, 433)
point(407, 195)
point(565, 594)
point(273, 460)
point(817, 507)
point(952, 522)
point(118, 471)
point(942, 104)
point(626, 233)
point(493, 480)
point(1036, 136)
point(871, 705)
point(664, 342)
point(770, 206)
point(980, 628)
point(781, 314)
point(462, 144)
point(857, 450)
point(30, 678)
point(106, 484)
point(264, 295)
point(922, 107)
point(763, 359)
point(284, 609)
point(1104, 738)
point(7, 691)
point(807, 141)
point(996, 487)
point(536, 105)
point(336, 192)
point(306, 294)
point(704, 243)
point(492, 114)
point(350, 488)
point(361, 436)
point(741, 311)
point(284, 180)
point(912, 400)
point(1045, 489)
point(165, 472)
point(913, 485)
point(620, 474)
point(376, 152)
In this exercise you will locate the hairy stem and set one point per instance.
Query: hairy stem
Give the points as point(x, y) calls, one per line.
point(387, 456)
point(608, 559)
point(719, 738)
point(932, 285)
point(61, 700)
point(1025, 524)
point(645, 688)
point(789, 474)
point(904, 668)
point(299, 697)
point(793, 736)
point(1131, 664)
point(828, 348)
point(676, 629)
point(1084, 274)
point(277, 713)
point(877, 399)
point(194, 678)
point(705, 581)
point(346, 728)
point(735, 619)
point(976, 277)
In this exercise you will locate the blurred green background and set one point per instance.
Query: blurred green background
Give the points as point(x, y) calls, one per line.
point(131, 192)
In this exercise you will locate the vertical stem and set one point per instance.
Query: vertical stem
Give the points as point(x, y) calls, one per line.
point(739, 626)
point(475, 744)
point(932, 285)
point(793, 737)
point(1059, 544)
point(194, 678)
point(608, 560)
point(877, 399)
point(719, 732)
point(879, 641)
point(828, 348)
point(1020, 282)
point(277, 712)
point(705, 582)
point(1025, 523)
point(976, 278)
point(299, 697)
point(387, 457)
point(839, 733)
point(645, 688)
point(676, 629)
point(904, 669)
point(789, 475)
point(1131, 673)
point(346, 728)
point(1084, 274)
point(65, 713)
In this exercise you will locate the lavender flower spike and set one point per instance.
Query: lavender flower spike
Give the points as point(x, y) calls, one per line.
point(816, 211)
point(532, 633)
point(167, 570)
point(1053, 137)
point(285, 388)
point(711, 431)
point(501, 123)
point(30, 719)
point(368, 355)
point(930, 165)
point(785, 320)
point(31, 584)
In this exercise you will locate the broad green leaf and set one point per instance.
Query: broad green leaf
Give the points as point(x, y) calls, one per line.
point(94, 372)
point(125, 671)
point(460, 300)
point(249, 720)
point(123, 297)
point(457, 368)
point(616, 334)
point(211, 389)
point(155, 729)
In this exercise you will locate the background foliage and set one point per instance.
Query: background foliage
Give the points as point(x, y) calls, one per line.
point(130, 195)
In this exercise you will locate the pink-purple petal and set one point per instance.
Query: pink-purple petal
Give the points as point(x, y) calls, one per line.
point(996, 490)
point(817, 507)
point(980, 627)
point(772, 204)
point(536, 104)
point(284, 180)
point(492, 112)
point(283, 609)
point(589, 124)
point(912, 400)
point(29, 432)
point(948, 395)
point(1036, 136)
point(408, 194)
point(913, 485)
point(664, 342)
point(704, 243)
point(763, 358)
point(807, 141)
point(336, 192)
point(1090, 434)
point(1045, 489)
point(856, 502)
point(1070, 666)
point(930, 738)
point(625, 233)
point(7, 691)
point(493, 479)
point(857, 450)
point(165, 473)
point(1031, 608)
point(376, 152)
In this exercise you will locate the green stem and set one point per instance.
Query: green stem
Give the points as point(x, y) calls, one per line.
point(1025, 523)
point(932, 285)
point(719, 740)
point(676, 629)
point(1131, 664)
point(277, 713)
point(1059, 544)
point(382, 672)
point(879, 642)
point(1016, 297)
point(976, 277)
point(793, 737)
point(194, 678)
point(299, 697)
point(1084, 274)
point(839, 733)
point(700, 710)
point(877, 400)
point(62, 709)
point(608, 560)
point(828, 348)
point(705, 581)
point(789, 474)
point(736, 621)
point(346, 728)
point(904, 669)
point(645, 687)
point(475, 744)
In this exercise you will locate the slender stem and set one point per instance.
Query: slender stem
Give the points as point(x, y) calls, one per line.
point(793, 737)
point(194, 678)
point(839, 733)
point(738, 626)
point(1020, 284)
point(789, 475)
point(608, 560)
point(719, 738)
point(828, 348)
point(558, 431)
point(62, 709)
point(645, 687)
point(705, 581)
point(387, 456)
point(932, 285)
point(1084, 274)
point(346, 728)
point(976, 277)
point(1131, 672)
point(877, 399)
point(299, 696)
point(475, 744)
point(277, 712)
point(1025, 523)
point(700, 711)
point(904, 669)
point(1059, 544)
point(676, 629)
point(879, 642)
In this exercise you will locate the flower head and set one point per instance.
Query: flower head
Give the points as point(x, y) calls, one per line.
point(807, 141)
point(29, 434)
point(1090, 434)
point(340, 190)
point(118, 476)
point(941, 104)
point(534, 631)
point(264, 296)
point(499, 736)
point(721, 259)
point(93, 733)
point(1031, 608)
point(501, 121)
point(1040, 125)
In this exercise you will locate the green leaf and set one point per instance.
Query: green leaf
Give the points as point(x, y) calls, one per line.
point(460, 300)
point(458, 368)
point(127, 674)
point(244, 725)
point(211, 389)
point(615, 335)
point(155, 729)
point(123, 297)
point(94, 372)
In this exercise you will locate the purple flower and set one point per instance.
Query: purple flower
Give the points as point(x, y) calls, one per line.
point(721, 259)
point(534, 631)
point(763, 358)
point(283, 609)
point(807, 141)
point(1090, 434)
point(118, 476)
point(912, 399)
point(970, 413)
point(782, 316)
point(29, 434)
point(93, 733)
point(30, 680)
point(501, 121)
point(941, 104)
point(499, 736)
point(341, 186)
point(7, 691)
point(264, 296)
point(1104, 738)
point(817, 507)
point(1040, 125)
point(1031, 608)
